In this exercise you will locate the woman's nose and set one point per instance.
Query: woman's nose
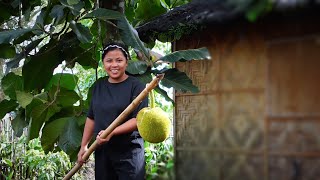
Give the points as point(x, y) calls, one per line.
point(114, 63)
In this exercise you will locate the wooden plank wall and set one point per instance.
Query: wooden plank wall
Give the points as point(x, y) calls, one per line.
point(258, 113)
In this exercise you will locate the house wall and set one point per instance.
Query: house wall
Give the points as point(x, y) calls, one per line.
point(257, 115)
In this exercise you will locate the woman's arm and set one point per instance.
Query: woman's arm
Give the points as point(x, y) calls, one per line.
point(127, 127)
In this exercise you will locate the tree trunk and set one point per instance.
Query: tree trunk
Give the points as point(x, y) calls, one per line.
point(112, 32)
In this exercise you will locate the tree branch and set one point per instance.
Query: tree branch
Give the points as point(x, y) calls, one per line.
point(195, 13)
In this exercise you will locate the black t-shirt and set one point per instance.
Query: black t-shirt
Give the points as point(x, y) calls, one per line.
point(109, 100)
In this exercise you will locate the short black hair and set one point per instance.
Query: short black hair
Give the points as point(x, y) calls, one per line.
point(116, 45)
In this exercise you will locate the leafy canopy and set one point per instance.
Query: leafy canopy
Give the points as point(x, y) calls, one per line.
point(38, 35)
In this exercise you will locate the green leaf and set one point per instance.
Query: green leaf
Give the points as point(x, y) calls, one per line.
point(24, 98)
point(75, 8)
point(145, 78)
point(10, 84)
point(57, 13)
point(7, 106)
point(187, 55)
point(88, 60)
point(149, 9)
point(65, 97)
point(104, 14)
point(19, 123)
point(40, 20)
point(68, 81)
point(7, 162)
point(70, 139)
point(164, 94)
point(51, 131)
point(37, 101)
point(137, 67)
point(4, 14)
point(40, 114)
point(7, 51)
point(81, 120)
point(38, 71)
point(8, 36)
point(18, 57)
point(178, 80)
point(130, 37)
point(72, 2)
point(24, 37)
point(128, 33)
point(82, 32)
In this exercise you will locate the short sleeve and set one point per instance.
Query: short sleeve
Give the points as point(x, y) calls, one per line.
point(90, 113)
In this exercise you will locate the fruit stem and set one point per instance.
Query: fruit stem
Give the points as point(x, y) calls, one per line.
point(152, 99)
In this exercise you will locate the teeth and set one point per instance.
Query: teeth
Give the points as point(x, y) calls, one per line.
point(114, 71)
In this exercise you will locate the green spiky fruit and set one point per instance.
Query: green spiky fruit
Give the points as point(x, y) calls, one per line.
point(153, 124)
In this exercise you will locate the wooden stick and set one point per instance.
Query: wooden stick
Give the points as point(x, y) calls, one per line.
point(117, 122)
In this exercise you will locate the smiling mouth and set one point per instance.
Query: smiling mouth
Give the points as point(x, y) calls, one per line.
point(114, 71)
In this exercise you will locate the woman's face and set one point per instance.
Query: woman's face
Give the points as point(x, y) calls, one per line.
point(115, 64)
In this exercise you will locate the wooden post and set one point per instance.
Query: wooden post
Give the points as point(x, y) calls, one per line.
point(154, 83)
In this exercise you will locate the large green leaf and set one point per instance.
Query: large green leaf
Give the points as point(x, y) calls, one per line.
point(51, 131)
point(8, 36)
point(40, 20)
point(72, 2)
point(137, 67)
point(19, 123)
point(24, 37)
point(130, 37)
point(7, 106)
point(10, 84)
point(70, 139)
point(145, 78)
point(39, 115)
point(81, 120)
point(34, 103)
point(4, 14)
point(149, 9)
point(38, 71)
point(68, 81)
point(82, 32)
point(75, 8)
point(164, 94)
point(18, 57)
point(64, 97)
point(7, 51)
point(178, 80)
point(104, 14)
point(187, 55)
point(24, 98)
point(57, 13)
point(128, 34)
point(87, 60)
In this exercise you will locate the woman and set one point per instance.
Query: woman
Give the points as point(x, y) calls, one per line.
point(121, 154)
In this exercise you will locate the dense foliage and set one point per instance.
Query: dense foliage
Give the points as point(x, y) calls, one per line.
point(28, 161)
point(38, 36)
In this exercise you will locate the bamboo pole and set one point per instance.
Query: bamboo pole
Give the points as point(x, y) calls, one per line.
point(117, 122)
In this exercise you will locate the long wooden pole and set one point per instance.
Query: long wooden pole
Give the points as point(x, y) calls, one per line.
point(117, 122)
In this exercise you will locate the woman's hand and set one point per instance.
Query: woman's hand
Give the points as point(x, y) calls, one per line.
point(101, 140)
point(82, 151)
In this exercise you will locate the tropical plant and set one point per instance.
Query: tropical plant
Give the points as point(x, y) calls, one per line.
point(68, 32)
point(28, 161)
point(159, 160)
